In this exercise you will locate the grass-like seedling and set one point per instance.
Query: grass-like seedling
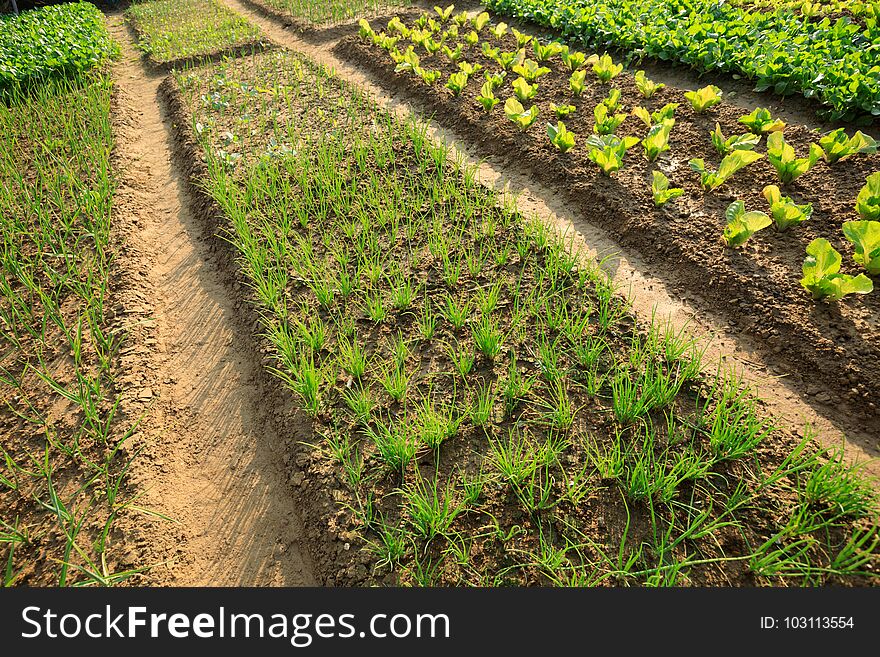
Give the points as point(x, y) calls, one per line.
point(324, 12)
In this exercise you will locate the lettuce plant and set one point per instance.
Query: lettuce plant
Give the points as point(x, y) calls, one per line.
point(836, 145)
point(577, 82)
point(741, 225)
point(703, 99)
point(607, 151)
point(469, 69)
point(545, 52)
point(782, 156)
point(396, 26)
point(461, 18)
point(561, 111)
point(522, 40)
point(868, 200)
point(785, 212)
point(760, 122)
point(645, 86)
point(606, 123)
point(657, 139)
point(489, 51)
point(444, 14)
point(364, 31)
point(865, 235)
point(480, 21)
point(497, 79)
point(660, 189)
point(730, 164)
point(506, 59)
point(472, 38)
point(560, 137)
point(726, 145)
point(523, 118)
point(822, 277)
point(572, 59)
point(530, 70)
point(523, 90)
point(499, 30)
point(429, 77)
point(662, 114)
point(457, 82)
point(605, 68)
point(487, 96)
point(612, 100)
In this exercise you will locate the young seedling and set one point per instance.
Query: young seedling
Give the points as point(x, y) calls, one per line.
point(561, 111)
point(657, 139)
point(660, 189)
point(726, 145)
point(489, 51)
point(608, 151)
point(480, 21)
point(454, 55)
point(522, 40)
point(645, 86)
point(703, 99)
point(865, 236)
point(530, 70)
point(499, 31)
point(444, 14)
point(545, 52)
point(560, 137)
point(822, 277)
point(760, 122)
point(837, 146)
point(572, 59)
point(577, 82)
point(729, 165)
point(457, 82)
point(605, 68)
point(461, 18)
point(469, 69)
point(782, 156)
point(868, 200)
point(523, 90)
point(606, 123)
point(365, 31)
point(472, 38)
point(522, 118)
point(506, 59)
point(487, 97)
point(741, 225)
point(785, 212)
point(497, 79)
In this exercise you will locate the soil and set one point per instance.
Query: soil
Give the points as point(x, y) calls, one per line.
point(211, 458)
point(755, 288)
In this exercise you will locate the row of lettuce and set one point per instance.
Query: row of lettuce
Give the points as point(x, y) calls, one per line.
point(52, 41)
point(836, 61)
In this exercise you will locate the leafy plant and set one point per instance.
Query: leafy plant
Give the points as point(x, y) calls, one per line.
point(560, 137)
point(487, 96)
point(469, 69)
point(868, 200)
point(730, 164)
point(703, 99)
point(645, 86)
point(612, 100)
point(607, 151)
point(444, 14)
point(506, 59)
point(726, 145)
point(572, 59)
point(489, 51)
point(577, 82)
point(530, 70)
point(782, 156)
point(472, 38)
point(605, 68)
point(561, 111)
point(498, 31)
point(657, 139)
point(364, 30)
point(457, 82)
point(545, 52)
point(522, 40)
point(606, 123)
point(660, 189)
point(480, 21)
point(454, 55)
point(822, 277)
point(836, 145)
point(784, 211)
point(429, 77)
point(523, 90)
point(865, 235)
point(760, 122)
point(523, 118)
point(741, 225)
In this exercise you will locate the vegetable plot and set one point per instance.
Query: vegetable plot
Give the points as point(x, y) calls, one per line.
point(834, 60)
point(322, 12)
point(478, 396)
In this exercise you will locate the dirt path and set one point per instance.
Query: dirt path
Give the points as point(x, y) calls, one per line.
point(211, 460)
point(648, 291)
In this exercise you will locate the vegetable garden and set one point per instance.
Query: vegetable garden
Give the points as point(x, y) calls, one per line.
point(477, 405)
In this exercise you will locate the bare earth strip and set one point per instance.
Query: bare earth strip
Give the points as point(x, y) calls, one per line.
point(211, 461)
point(648, 291)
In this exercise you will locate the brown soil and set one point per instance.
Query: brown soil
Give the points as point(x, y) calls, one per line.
point(211, 460)
point(755, 288)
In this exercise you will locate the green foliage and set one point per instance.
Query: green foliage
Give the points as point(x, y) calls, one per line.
point(660, 189)
point(760, 122)
point(572, 59)
point(577, 82)
point(545, 52)
point(730, 164)
point(657, 139)
point(821, 274)
point(560, 137)
point(703, 99)
point(784, 211)
point(726, 145)
point(783, 158)
point(741, 225)
point(607, 151)
point(865, 235)
point(457, 82)
point(561, 111)
point(487, 96)
point(645, 86)
point(836, 145)
point(521, 117)
point(530, 70)
point(523, 90)
point(868, 200)
point(606, 123)
point(605, 68)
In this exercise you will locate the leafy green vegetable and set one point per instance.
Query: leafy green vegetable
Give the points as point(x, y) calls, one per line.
point(865, 235)
point(645, 86)
point(445, 14)
point(785, 212)
point(489, 51)
point(782, 156)
point(560, 137)
point(364, 31)
point(472, 38)
point(577, 82)
point(660, 189)
point(606, 123)
point(506, 59)
point(561, 111)
point(868, 200)
point(703, 99)
point(523, 118)
point(461, 18)
point(821, 274)
point(545, 52)
point(836, 145)
point(530, 70)
point(612, 100)
point(523, 90)
point(607, 151)
point(657, 139)
point(457, 82)
point(480, 21)
point(454, 55)
point(760, 122)
point(522, 40)
point(741, 225)
point(605, 68)
point(499, 30)
point(469, 69)
point(487, 96)
point(730, 164)
point(725, 145)
point(572, 59)
point(497, 79)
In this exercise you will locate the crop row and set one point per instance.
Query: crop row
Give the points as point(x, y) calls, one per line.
point(479, 396)
point(51, 41)
point(319, 12)
point(832, 60)
point(527, 66)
